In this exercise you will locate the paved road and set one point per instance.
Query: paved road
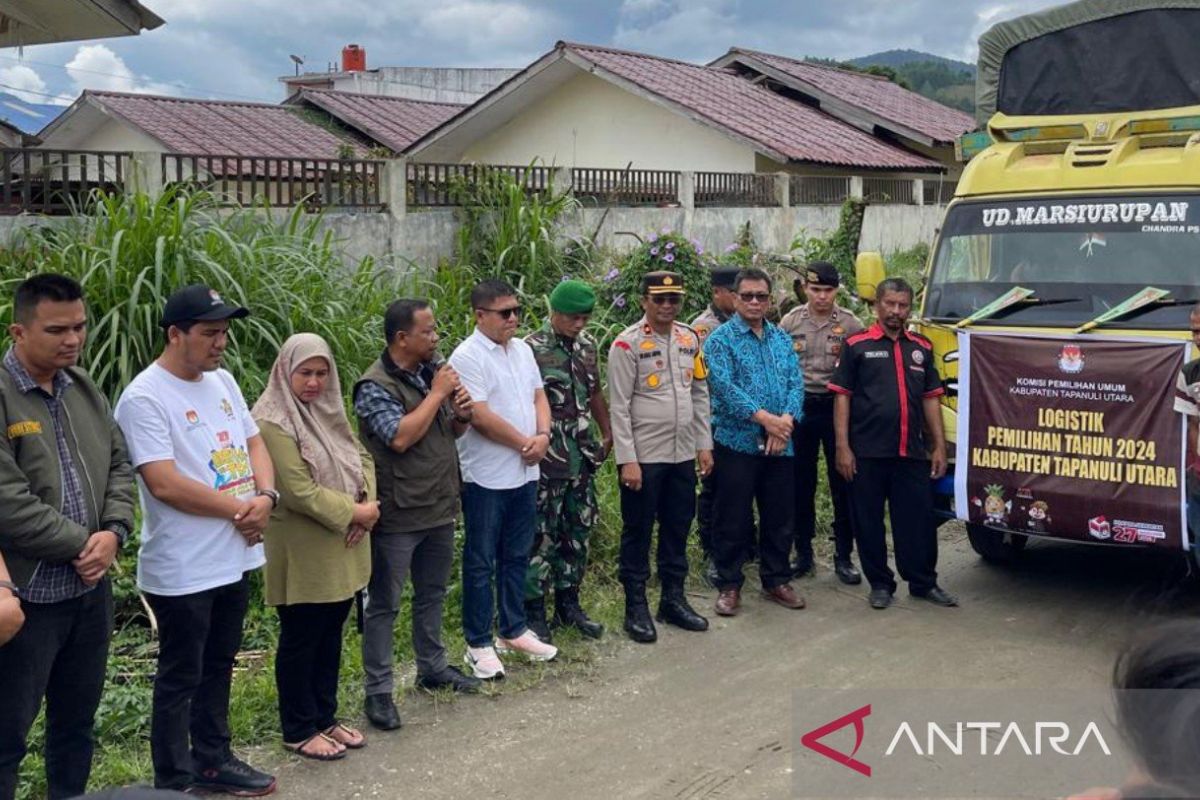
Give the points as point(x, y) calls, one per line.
point(708, 715)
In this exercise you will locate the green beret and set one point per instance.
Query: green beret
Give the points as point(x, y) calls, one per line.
point(573, 297)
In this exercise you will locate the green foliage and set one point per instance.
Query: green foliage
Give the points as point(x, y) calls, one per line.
point(841, 247)
point(511, 233)
point(131, 252)
point(951, 83)
point(620, 289)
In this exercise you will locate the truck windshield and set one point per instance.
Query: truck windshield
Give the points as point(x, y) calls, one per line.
point(1080, 255)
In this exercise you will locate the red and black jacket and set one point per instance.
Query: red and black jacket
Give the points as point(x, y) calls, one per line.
point(887, 381)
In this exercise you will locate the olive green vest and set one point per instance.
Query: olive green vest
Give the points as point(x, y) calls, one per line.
point(419, 488)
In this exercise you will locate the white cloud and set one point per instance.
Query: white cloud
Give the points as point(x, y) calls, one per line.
point(95, 66)
point(24, 83)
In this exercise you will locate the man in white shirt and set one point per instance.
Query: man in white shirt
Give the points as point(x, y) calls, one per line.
point(509, 434)
point(207, 490)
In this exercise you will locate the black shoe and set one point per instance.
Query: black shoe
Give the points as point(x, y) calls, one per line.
point(938, 596)
point(638, 624)
point(880, 598)
point(801, 565)
point(449, 678)
point(381, 712)
point(234, 777)
point(535, 618)
point(673, 609)
point(568, 612)
point(846, 571)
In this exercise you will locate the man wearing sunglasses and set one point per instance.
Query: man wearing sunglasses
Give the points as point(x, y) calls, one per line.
point(758, 395)
point(499, 454)
point(659, 408)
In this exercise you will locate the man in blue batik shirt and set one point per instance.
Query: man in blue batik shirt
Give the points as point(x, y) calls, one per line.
point(757, 391)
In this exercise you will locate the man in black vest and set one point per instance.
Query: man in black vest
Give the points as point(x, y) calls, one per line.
point(410, 410)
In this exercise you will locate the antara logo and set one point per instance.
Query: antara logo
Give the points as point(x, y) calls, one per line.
point(811, 740)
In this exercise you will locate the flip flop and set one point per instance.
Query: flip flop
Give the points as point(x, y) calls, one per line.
point(346, 729)
point(298, 749)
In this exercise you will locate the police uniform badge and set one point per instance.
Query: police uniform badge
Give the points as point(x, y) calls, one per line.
point(799, 343)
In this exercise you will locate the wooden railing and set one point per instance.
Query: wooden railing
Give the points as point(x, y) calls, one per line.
point(625, 187)
point(806, 190)
point(280, 181)
point(894, 191)
point(438, 185)
point(57, 181)
point(735, 189)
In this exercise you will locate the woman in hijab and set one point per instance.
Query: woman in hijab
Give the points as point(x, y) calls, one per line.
point(317, 558)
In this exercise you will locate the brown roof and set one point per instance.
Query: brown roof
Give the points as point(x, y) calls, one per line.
point(393, 122)
point(874, 94)
point(220, 127)
point(781, 127)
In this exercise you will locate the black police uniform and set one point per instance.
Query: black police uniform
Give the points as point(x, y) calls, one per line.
point(887, 381)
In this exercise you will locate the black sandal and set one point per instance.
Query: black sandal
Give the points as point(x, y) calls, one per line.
point(298, 749)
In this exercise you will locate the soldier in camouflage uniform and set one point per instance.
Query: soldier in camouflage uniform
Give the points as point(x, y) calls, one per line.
point(566, 501)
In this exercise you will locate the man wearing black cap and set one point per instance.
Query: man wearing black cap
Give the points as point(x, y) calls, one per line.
point(207, 489)
point(819, 330)
point(724, 303)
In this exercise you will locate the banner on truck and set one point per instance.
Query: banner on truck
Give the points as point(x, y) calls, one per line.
point(1074, 437)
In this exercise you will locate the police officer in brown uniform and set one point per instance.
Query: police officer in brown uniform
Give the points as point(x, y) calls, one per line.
point(658, 399)
point(722, 306)
point(819, 330)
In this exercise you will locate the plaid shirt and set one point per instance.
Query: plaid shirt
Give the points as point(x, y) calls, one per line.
point(53, 583)
point(379, 410)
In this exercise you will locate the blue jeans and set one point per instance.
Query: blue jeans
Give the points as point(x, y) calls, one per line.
point(499, 541)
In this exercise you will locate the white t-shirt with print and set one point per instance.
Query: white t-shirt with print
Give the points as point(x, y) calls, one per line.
point(202, 426)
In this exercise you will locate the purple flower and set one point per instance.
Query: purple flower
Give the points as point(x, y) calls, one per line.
point(564, 279)
point(653, 251)
point(670, 245)
point(666, 231)
point(612, 275)
point(699, 250)
point(729, 248)
point(669, 257)
point(619, 301)
point(653, 238)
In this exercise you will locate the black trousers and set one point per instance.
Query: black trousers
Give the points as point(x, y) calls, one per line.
point(811, 435)
point(307, 665)
point(744, 481)
point(704, 512)
point(60, 654)
point(903, 483)
point(198, 637)
point(668, 497)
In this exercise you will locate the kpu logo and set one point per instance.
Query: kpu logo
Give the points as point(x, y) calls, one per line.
point(812, 739)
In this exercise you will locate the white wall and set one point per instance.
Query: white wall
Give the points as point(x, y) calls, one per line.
point(588, 122)
point(112, 134)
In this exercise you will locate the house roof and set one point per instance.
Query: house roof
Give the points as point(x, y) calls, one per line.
point(27, 22)
point(772, 124)
point(215, 127)
point(393, 122)
point(890, 105)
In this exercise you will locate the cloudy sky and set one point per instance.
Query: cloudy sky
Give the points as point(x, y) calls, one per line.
point(236, 49)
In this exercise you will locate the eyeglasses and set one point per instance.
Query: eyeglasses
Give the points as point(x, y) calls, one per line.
point(754, 297)
point(669, 299)
point(507, 313)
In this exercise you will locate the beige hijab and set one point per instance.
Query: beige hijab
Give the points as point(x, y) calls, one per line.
point(320, 428)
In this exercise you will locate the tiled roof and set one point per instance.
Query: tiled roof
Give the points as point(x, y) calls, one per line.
point(776, 124)
point(218, 127)
point(394, 122)
point(876, 95)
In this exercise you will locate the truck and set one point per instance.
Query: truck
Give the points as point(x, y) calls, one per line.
point(1078, 211)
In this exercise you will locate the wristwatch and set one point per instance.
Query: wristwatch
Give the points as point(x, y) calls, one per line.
point(270, 493)
point(12, 587)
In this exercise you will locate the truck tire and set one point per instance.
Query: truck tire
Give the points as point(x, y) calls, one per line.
point(996, 546)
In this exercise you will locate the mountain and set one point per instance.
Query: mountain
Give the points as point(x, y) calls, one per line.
point(950, 82)
point(29, 117)
point(899, 58)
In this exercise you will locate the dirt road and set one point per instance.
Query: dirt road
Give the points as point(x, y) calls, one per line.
point(709, 715)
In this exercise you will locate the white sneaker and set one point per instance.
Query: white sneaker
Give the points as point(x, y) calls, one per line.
point(528, 645)
point(484, 663)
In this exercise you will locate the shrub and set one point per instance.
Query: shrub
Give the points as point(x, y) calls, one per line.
point(620, 289)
